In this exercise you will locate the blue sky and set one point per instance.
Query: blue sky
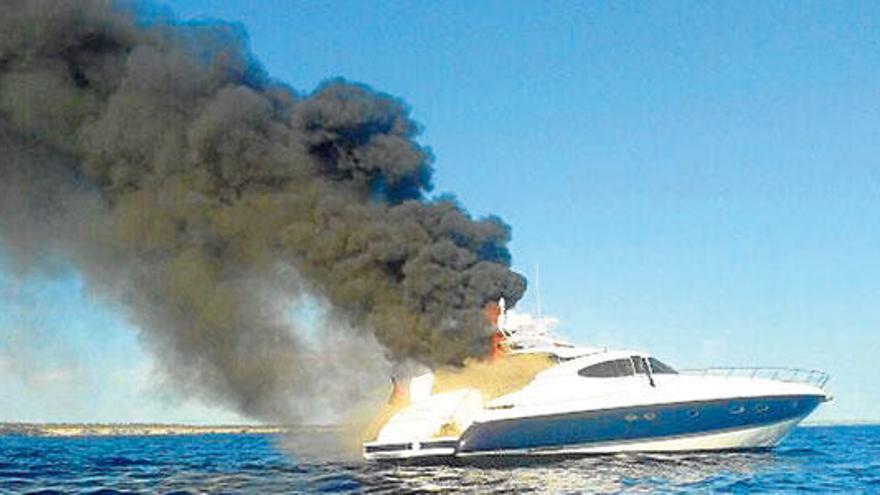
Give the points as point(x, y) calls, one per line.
point(696, 179)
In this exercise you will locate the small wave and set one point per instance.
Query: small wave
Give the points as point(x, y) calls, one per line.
point(121, 461)
point(801, 452)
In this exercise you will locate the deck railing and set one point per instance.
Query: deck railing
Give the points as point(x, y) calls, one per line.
point(795, 375)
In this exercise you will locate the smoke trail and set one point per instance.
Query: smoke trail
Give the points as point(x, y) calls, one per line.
point(205, 198)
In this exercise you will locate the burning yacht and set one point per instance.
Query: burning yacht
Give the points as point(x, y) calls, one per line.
point(543, 396)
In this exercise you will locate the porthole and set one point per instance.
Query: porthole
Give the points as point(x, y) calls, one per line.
point(631, 417)
point(762, 408)
point(693, 413)
point(737, 409)
point(649, 416)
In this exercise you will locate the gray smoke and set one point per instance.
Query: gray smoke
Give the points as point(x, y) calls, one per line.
point(205, 199)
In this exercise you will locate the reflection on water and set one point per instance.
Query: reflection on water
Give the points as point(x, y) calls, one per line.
point(824, 460)
point(597, 474)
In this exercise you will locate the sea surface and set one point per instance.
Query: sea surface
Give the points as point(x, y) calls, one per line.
point(836, 459)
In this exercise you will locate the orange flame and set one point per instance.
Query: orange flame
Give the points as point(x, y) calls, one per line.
point(399, 395)
point(492, 311)
point(497, 346)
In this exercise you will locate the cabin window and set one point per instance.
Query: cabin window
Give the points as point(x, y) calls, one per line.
point(608, 369)
point(640, 365)
point(660, 368)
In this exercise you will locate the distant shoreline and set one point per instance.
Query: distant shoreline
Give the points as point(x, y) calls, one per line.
point(146, 429)
point(73, 430)
point(853, 422)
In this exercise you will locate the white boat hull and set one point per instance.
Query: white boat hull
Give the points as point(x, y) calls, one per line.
point(724, 424)
point(603, 403)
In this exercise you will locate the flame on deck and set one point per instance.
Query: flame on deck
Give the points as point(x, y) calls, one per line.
point(493, 378)
point(498, 373)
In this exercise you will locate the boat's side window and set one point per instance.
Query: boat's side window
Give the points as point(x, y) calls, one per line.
point(660, 368)
point(608, 369)
point(639, 363)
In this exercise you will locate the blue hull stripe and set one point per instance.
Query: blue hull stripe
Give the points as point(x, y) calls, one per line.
point(634, 423)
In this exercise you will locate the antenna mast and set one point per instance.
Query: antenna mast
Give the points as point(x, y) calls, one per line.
point(538, 289)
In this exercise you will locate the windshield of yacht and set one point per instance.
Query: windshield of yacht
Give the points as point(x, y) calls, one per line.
point(627, 367)
point(608, 369)
point(660, 368)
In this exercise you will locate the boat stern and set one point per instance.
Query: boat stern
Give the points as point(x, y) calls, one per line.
point(433, 448)
point(427, 428)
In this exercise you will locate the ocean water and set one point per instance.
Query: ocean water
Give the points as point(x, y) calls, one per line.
point(842, 459)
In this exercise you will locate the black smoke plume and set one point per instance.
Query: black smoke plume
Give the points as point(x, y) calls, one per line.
point(205, 198)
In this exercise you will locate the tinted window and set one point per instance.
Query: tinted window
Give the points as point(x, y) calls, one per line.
point(608, 369)
point(659, 367)
point(640, 365)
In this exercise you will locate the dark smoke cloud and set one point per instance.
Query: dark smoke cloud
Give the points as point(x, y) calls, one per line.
point(205, 198)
